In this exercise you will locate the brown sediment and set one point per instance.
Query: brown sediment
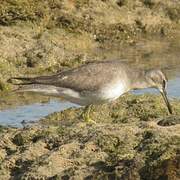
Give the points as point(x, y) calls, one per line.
point(134, 137)
point(38, 39)
point(127, 142)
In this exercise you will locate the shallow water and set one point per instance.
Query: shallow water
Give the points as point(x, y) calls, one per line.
point(173, 89)
point(16, 117)
point(146, 54)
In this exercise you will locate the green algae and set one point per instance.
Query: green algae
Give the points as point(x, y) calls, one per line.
point(133, 138)
point(169, 121)
point(129, 109)
point(111, 148)
point(21, 10)
point(158, 152)
point(1, 129)
point(74, 19)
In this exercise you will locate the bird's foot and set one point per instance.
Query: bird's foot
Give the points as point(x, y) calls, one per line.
point(86, 116)
point(87, 119)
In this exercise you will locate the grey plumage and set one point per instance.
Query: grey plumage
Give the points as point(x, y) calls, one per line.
point(89, 77)
point(97, 82)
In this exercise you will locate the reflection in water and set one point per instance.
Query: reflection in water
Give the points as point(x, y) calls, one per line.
point(145, 54)
point(149, 54)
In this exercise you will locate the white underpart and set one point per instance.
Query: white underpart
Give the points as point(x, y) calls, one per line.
point(72, 96)
point(107, 93)
point(84, 98)
point(113, 91)
point(64, 77)
point(65, 93)
point(69, 93)
point(49, 91)
point(42, 89)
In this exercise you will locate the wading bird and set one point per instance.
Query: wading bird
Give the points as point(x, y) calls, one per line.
point(95, 83)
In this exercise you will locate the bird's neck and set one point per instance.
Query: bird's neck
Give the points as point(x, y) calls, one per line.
point(139, 81)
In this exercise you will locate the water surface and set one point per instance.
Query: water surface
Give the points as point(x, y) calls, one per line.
point(16, 117)
point(173, 89)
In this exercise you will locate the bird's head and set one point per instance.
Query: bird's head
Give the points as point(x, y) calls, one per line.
point(157, 79)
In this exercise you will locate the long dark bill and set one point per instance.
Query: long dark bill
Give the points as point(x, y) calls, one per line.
point(164, 94)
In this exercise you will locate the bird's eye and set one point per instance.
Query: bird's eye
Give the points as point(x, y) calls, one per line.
point(164, 84)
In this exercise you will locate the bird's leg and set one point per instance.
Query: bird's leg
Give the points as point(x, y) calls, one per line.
point(86, 113)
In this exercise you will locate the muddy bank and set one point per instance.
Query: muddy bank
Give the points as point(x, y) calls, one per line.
point(133, 138)
point(40, 37)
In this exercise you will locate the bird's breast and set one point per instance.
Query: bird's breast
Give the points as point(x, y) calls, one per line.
point(114, 90)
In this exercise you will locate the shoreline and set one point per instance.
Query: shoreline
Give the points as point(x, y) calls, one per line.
point(134, 133)
point(134, 137)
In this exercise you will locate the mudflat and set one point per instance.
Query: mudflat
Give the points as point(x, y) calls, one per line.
point(134, 137)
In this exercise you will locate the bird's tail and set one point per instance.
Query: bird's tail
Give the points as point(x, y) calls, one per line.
point(24, 80)
point(46, 80)
point(41, 84)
